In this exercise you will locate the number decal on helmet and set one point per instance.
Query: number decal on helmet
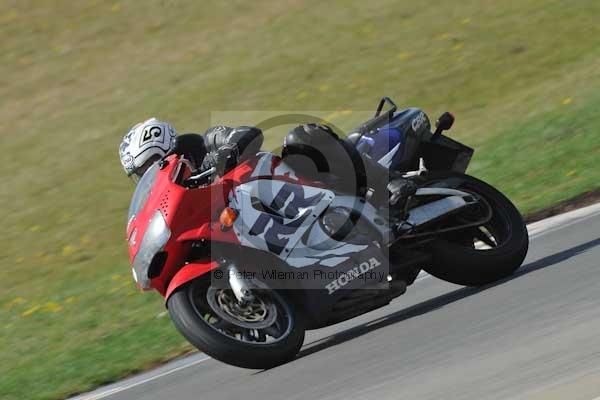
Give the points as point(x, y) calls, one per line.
point(150, 133)
point(156, 131)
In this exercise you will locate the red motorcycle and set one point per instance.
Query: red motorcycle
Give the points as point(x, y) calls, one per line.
point(251, 255)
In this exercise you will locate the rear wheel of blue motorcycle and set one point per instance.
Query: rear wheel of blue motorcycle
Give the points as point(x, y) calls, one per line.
point(483, 254)
point(219, 337)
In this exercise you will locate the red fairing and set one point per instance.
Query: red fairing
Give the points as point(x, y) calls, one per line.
point(192, 214)
point(189, 272)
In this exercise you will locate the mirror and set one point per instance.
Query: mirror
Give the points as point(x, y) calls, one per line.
point(445, 121)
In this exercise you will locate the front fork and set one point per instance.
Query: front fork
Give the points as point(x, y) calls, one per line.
point(241, 287)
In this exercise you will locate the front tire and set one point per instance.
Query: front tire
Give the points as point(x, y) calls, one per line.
point(196, 319)
point(457, 258)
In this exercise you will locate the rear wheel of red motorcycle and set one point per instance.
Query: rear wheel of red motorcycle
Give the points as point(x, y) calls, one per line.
point(483, 254)
point(263, 334)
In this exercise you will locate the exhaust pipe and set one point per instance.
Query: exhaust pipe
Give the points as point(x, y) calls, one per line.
point(436, 209)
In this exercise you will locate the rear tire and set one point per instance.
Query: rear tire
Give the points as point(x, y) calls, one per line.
point(208, 339)
point(456, 262)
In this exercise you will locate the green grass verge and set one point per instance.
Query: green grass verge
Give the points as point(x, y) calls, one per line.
point(519, 75)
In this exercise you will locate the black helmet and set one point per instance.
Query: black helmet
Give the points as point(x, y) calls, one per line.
point(312, 141)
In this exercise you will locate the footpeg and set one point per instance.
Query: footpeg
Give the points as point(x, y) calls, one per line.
point(401, 189)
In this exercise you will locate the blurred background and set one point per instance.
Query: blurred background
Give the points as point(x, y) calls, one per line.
point(521, 77)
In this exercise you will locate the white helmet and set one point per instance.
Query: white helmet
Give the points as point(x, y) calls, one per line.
point(144, 144)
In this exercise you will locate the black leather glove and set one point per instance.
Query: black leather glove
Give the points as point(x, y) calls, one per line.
point(223, 159)
point(248, 139)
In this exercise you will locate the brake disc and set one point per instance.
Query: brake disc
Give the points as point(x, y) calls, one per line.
point(256, 314)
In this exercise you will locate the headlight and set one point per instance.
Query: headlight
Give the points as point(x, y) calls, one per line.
point(155, 238)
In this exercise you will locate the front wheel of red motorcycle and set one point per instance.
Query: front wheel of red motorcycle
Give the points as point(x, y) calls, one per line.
point(261, 334)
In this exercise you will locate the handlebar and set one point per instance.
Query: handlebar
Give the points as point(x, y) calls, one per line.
point(379, 118)
point(382, 102)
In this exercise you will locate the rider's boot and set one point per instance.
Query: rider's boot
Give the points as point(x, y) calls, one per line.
point(400, 190)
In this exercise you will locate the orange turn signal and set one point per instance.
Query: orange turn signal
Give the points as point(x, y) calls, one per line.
point(228, 215)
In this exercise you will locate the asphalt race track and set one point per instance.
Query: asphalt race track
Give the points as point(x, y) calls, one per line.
point(533, 336)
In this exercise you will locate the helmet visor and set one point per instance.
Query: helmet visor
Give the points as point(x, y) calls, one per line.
point(140, 171)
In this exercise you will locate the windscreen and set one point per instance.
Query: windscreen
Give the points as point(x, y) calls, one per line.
point(142, 191)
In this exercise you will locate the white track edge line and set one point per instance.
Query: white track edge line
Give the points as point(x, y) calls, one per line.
point(108, 392)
